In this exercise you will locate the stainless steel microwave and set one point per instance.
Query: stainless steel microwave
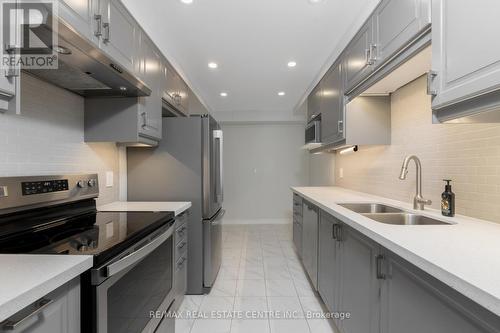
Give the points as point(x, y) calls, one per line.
point(313, 133)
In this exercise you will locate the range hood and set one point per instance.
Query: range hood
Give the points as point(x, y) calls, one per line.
point(83, 68)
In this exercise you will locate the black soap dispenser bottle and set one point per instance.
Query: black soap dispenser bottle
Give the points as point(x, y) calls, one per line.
point(448, 200)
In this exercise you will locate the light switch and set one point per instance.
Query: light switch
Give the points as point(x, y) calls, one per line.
point(341, 173)
point(109, 178)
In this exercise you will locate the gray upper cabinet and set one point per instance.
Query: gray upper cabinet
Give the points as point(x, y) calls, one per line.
point(465, 58)
point(119, 33)
point(130, 120)
point(310, 241)
point(396, 22)
point(80, 15)
point(328, 258)
point(10, 78)
point(10, 89)
point(359, 56)
point(150, 121)
point(332, 105)
point(314, 102)
point(177, 91)
point(414, 302)
point(360, 287)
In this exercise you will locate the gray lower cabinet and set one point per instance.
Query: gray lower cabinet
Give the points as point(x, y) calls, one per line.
point(57, 312)
point(310, 241)
point(359, 291)
point(465, 60)
point(181, 257)
point(382, 292)
point(332, 105)
point(297, 224)
point(328, 259)
point(415, 302)
point(396, 22)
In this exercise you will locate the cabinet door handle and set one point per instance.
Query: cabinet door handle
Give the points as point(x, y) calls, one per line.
point(430, 79)
point(38, 307)
point(338, 233)
point(373, 53)
point(144, 119)
point(106, 38)
point(380, 275)
point(367, 57)
point(334, 227)
point(98, 19)
point(340, 126)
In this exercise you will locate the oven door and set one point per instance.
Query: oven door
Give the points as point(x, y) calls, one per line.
point(137, 285)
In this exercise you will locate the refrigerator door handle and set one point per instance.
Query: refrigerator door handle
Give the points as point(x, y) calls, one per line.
point(218, 136)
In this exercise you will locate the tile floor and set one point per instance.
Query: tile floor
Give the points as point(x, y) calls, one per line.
point(260, 272)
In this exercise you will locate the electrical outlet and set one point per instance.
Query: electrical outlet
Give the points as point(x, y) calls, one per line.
point(109, 178)
point(341, 173)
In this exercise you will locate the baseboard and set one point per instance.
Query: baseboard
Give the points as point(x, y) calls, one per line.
point(258, 221)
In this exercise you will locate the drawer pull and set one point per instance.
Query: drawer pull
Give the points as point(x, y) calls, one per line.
point(38, 307)
point(181, 245)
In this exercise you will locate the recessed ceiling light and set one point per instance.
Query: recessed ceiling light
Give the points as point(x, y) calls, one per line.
point(281, 93)
point(212, 65)
point(187, 2)
point(315, 1)
point(223, 94)
point(292, 64)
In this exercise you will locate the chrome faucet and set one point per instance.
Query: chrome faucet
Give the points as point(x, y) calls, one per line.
point(418, 202)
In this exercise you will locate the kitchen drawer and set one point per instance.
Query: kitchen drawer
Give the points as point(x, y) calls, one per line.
point(181, 249)
point(180, 279)
point(181, 232)
point(181, 219)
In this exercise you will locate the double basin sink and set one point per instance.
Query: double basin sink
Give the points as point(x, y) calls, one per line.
point(390, 215)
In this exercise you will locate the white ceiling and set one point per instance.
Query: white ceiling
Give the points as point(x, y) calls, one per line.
point(252, 41)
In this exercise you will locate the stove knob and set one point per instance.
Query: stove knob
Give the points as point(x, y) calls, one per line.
point(91, 182)
point(80, 184)
point(82, 248)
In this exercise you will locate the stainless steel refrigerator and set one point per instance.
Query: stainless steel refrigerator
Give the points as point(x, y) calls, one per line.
point(186, 166)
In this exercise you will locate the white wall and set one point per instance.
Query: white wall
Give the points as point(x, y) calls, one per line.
point(261, 162)
point(47, 138)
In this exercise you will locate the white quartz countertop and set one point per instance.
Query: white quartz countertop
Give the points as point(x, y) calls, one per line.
point(465, 255)
point(27, 278)
point(178, 207)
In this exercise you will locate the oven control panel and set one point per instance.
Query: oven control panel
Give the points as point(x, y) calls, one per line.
point(47, 186)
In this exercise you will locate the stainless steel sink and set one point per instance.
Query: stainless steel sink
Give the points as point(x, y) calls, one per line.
point(363, 208)
point(404, 219)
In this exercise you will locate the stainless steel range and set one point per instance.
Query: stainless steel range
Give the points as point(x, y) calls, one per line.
point(133, 252)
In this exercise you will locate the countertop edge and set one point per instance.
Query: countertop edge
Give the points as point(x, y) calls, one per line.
point(465, 288)
point(16, 304)
point(180, 206)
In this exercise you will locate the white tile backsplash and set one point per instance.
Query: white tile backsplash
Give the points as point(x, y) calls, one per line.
point(48, 138)
point(469, 154)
